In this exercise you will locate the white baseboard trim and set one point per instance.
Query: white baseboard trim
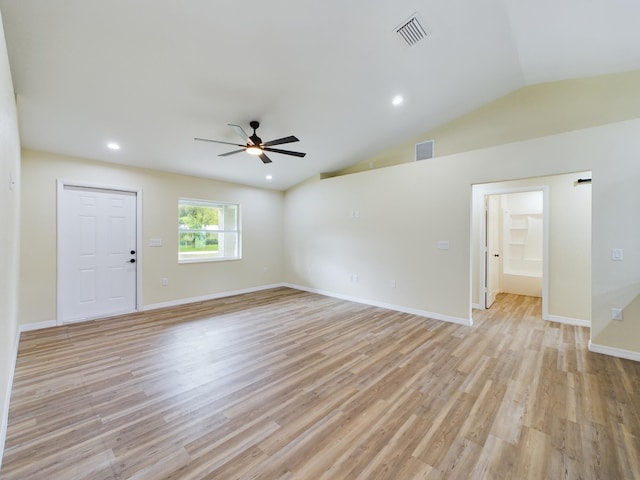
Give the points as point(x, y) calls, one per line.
point(614, 352)
point(184, 301)
point(37, 325)
point(477, 306)
point(568, 321)
point(5, 411)
point(213, 296)
point(398, 308)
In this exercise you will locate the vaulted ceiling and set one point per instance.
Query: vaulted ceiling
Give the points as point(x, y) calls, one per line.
point(153, 74)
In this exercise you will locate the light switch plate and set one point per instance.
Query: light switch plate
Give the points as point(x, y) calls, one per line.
point(616, 254)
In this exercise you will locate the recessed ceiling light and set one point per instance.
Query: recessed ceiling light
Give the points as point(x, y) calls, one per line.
point(397, 100)
point(113, 146)
point(269, 177)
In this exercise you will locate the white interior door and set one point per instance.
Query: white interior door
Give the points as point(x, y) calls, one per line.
point(97, 253)
point(492, 250)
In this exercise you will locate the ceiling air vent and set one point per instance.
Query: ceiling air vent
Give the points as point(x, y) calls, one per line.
point(412, 30)
point(425, 150)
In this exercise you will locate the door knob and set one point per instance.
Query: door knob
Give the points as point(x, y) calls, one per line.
point(133, 252)
point(133, 260)
point(496, 254)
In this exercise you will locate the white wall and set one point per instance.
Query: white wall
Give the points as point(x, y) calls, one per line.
point(404, 210)
point(9, 230)
point(262, 241)
point(383, 226)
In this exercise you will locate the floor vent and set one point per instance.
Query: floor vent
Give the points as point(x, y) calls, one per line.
point(425, 150)
point(412, 30)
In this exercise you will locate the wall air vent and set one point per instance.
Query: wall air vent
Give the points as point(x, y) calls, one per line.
point(425, 150)
point(412, 30)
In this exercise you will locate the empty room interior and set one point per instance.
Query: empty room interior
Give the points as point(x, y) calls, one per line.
point(318, 240)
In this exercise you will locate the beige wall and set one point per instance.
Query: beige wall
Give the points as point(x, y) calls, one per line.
point(530, 112)
point(404, 210)
point(9, 230)
point(569, 237)
point(261, 213)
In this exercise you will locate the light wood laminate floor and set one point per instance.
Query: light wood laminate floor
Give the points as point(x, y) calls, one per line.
point(284, 384)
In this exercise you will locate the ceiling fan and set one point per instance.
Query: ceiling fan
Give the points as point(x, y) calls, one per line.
point(255, 145)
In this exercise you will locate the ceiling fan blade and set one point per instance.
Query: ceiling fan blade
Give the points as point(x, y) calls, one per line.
point(217, 141)
point(280, 141)
point(231, 153)
point(264, 158)
point(241, 133)
point(285, 152)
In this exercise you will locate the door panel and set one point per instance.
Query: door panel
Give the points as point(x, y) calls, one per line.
point(97, 234)
point(87, 279)
point(118, 277)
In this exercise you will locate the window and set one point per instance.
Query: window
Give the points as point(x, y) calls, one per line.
point(208, 231)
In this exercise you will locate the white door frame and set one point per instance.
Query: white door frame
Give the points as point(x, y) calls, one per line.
point(488, 190)
point(61, 184)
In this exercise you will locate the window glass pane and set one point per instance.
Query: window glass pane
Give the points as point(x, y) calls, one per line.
point(229, 244)
point(199, 217)
point(230, 214)
point(199, 245)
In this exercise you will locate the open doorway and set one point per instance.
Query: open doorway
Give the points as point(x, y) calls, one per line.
point(566, 244)
point(514, 241)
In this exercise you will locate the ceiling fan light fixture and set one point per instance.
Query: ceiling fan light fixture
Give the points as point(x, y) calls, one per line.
point(254, 145)
point(254, 150)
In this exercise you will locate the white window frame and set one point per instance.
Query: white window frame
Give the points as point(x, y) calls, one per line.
point(221, 238)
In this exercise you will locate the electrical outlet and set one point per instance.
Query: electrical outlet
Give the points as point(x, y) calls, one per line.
point(164, 281)
point(393, 284)
point(616, 314)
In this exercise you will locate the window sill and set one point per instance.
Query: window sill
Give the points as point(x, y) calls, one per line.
point(208, 260)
